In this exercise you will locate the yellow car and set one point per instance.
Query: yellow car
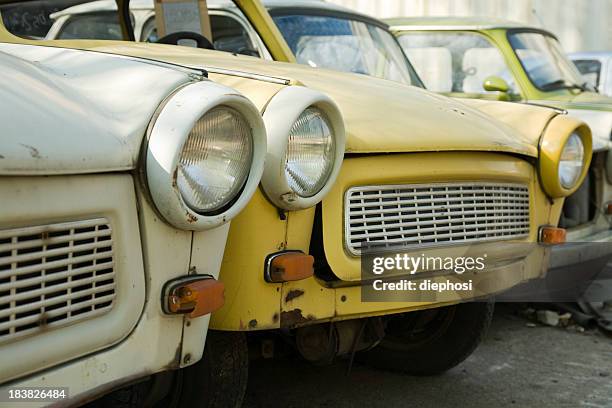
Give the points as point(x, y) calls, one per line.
point(418, 174)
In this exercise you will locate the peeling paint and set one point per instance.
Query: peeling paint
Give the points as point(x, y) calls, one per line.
point(294, 318)
point(293, 294)
point(33, 151)
point(191, 218)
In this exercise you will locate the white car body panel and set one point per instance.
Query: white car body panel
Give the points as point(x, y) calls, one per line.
point(104, 131)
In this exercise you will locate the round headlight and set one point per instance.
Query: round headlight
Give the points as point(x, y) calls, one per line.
point(215, 160)
point(310, 154)
point(571, 162)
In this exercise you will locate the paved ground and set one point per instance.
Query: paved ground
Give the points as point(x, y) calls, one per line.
point(517, 366)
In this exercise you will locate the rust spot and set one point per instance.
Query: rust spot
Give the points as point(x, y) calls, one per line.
point(176, 361)
point(253, 324)
point(293, 294)
point(191, 218)
point(174, 177)
point(42, 320)
point(275, 317)
point(33, 151)
point(294, 318)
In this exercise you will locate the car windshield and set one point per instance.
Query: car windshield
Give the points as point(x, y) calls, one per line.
point(544, 62)
point(455, 62)
point(344, 44)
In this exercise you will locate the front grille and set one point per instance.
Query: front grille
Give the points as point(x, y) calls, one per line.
point(390, 217)
point(53, 275)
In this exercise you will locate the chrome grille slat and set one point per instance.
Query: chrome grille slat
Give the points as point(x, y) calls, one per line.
point(34, 330)
point(436, 229)
point(54, 240)
point(441, 199)
point(56, 264)
point(476, 219)
point(54, 275)
point(405, 216)
point(427, 208)
point(60, 312)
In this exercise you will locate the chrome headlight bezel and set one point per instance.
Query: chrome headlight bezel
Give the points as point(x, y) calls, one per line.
point(568, 176)
point(552, 146)
point(167, 134)
point(280, 115)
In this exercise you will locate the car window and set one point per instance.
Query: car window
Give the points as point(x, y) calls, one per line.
point(455, 62)
point(228, 35)
point(590, 70)
point(544, 62)
point(32, 19)
point(102, 25)
point(344, 44)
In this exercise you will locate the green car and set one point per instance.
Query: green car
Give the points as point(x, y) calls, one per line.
point(500, 60)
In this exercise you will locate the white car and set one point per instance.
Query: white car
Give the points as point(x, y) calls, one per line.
point(118, 179)
point(596, 68)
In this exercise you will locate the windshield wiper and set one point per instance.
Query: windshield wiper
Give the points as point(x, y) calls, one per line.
point(561, 84)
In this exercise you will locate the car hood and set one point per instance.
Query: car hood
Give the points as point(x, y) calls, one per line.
point(380, 116)
point(72, 112)
point(592, 108)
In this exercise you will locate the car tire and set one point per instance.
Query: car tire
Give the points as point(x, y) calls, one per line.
point(430, 342)
point(219, 379)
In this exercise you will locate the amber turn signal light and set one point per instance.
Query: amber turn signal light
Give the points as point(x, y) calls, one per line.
point(288, 266)
point(195, 296)
point(552, 235)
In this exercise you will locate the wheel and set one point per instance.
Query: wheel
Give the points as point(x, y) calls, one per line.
point(431, 341)
point(219, 379)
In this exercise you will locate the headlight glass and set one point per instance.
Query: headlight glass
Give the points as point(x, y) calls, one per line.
point(215, 161)
point(310, 153)
point(570, 165)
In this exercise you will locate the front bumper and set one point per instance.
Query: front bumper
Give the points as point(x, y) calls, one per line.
point(573, 267)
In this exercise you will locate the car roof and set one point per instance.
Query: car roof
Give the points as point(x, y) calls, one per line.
point(452, 23)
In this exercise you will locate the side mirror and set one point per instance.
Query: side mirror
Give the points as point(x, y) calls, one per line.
point(495, 84)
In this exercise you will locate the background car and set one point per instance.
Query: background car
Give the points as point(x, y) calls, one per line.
point(494, 59)
point(118, 179)
point(596, 68)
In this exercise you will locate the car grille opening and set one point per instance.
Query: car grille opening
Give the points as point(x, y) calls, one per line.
point(395, 217)
point(54, 275)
